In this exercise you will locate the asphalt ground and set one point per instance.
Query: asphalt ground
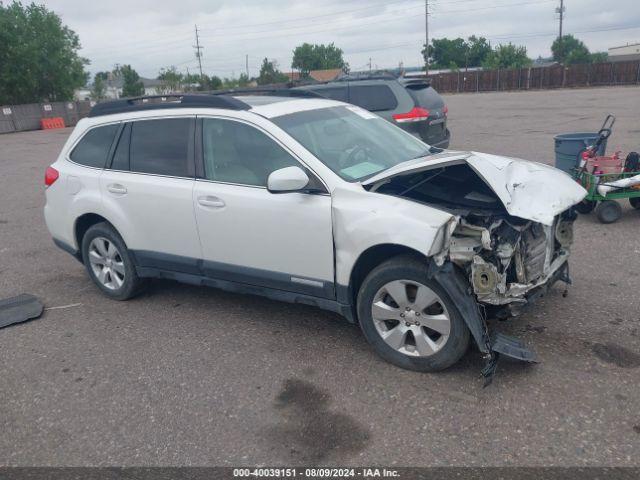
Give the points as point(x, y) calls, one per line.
point(195, 376)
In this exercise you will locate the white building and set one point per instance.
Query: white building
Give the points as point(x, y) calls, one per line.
point(113, 88)
point(625, 53)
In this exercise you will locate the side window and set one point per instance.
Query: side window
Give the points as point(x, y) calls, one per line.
point(121, 155)
point(94, 147)
point(163, 147)
point(235, 152)
point(374, 98)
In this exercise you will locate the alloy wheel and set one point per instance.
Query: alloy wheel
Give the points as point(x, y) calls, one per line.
point(106, 263)
point(411, 318)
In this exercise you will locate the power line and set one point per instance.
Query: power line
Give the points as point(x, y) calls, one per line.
point(350, 25)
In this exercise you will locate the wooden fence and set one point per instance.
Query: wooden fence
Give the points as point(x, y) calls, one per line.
point(535, 78)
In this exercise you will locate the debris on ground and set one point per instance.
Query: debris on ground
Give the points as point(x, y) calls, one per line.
point(19, 309)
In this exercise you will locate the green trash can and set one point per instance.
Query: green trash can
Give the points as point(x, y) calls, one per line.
point(569, 146)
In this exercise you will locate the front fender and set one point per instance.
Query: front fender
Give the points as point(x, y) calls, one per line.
point(362, 220)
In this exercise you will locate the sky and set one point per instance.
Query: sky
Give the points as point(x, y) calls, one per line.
point(152, 34)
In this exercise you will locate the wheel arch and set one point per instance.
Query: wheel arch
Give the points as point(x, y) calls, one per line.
point(84, 222)
point(367, 261)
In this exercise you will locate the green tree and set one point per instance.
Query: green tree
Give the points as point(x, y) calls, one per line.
point(99, 89)
point(568, 50)
point(478, 49)
point(171, 79)
point(599, 57)
point(38, 56)
point(307, 57)
point(457, 53)
point(270, 74)
point(214, 83)
point(507, 56)
point(132, 85)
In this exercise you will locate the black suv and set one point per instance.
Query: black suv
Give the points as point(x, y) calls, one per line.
point(410, 103)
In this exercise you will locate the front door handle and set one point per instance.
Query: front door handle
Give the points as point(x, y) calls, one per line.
point(117, 189)
point(211, 201)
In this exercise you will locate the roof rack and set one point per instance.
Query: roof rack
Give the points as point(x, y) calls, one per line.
point(269, 91)
point(353, 77)
point(155, 102)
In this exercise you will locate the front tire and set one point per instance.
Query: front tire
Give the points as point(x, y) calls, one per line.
point(410, 319)
point(109, 262)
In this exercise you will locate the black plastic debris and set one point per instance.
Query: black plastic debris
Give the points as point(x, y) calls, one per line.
point(19, 309)
point(508, 346)
point(512, 347)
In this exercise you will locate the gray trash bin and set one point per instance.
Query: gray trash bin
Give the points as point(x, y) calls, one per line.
point(569, 146)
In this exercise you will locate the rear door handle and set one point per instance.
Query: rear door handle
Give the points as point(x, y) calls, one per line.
point(211, 201)
point(117, 189)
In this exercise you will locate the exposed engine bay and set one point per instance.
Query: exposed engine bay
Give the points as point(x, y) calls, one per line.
point(507, 259)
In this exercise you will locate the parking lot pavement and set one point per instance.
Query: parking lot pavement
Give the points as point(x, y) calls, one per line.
point(194, 376)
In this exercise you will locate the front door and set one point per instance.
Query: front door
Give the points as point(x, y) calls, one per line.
point(249, 235)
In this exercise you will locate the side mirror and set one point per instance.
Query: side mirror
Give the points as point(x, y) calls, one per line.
point(289, 179)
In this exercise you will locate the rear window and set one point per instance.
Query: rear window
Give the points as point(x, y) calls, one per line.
point(374, 98)
point(94, 147)
point(425, 96)
point(162, 147)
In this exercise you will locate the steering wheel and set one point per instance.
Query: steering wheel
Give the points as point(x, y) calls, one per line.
point(350, 160)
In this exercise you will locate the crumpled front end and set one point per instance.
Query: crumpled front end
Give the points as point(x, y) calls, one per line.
point(509, 260)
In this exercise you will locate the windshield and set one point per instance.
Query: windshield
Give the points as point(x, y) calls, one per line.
point(351, 141)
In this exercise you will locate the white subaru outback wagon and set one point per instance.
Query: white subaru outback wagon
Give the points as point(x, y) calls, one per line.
point(312, 201)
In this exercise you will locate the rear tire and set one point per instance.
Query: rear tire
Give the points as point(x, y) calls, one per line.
point(109, 262)
point(413, 337)
point(609, 211)
point(635, 202)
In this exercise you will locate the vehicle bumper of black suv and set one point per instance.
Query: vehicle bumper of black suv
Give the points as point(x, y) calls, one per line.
point(435, 135)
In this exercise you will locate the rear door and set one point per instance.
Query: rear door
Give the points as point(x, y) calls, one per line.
point(148, 192)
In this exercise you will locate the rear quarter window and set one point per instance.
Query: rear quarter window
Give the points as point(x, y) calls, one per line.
point(334, 93)
point(93, 149)
point(374, 98)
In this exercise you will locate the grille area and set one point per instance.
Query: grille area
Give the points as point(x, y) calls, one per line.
point(535, 245)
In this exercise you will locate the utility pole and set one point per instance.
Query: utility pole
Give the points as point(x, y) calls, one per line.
point(198, 53)
point(369, 64)
point(426, 35)
point(246, 61)
point(560, 10)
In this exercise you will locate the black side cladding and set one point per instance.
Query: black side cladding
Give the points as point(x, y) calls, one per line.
point(457, 286)
point(19, 309)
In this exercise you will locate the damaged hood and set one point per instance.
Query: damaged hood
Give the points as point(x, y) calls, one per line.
point(528, 190)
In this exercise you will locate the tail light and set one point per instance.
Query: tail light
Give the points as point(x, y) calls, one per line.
point(417, 114)
point(445, 110)
point(50, 176)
